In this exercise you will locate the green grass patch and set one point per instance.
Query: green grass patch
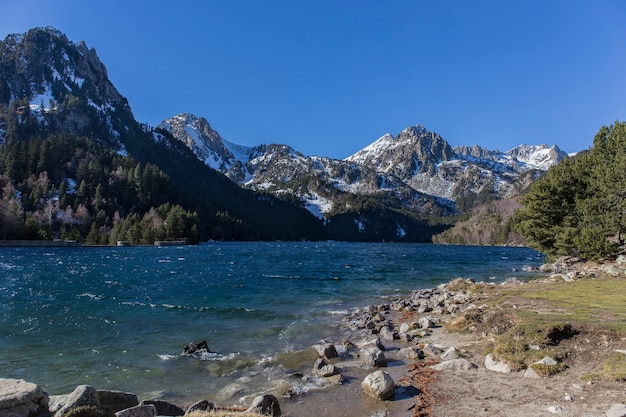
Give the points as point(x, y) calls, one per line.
point(614, 367)
point(586, 300)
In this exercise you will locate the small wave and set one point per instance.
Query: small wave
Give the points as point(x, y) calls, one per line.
point(167, 357)
point(89, 295)
point(338, 312)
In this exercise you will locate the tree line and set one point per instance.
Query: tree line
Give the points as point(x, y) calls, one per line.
point(67, 187)
point(579, 206)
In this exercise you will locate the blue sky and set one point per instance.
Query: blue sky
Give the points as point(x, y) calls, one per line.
point(330, 77)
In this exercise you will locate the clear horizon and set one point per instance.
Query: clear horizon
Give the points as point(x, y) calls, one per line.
point(329, 79)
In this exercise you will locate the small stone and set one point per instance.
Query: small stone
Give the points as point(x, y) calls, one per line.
point(449, 354)
point(326, 350)
point(496, 366)
point(555, 409)
point(431, 350)
point(459, 364)
point(411, 353)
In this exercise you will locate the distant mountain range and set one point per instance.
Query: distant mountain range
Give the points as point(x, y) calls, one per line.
point(398, 188)
point(417, 167)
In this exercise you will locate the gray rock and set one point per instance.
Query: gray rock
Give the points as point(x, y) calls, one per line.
point(547, 361)
point(431, 350)
point(335, 379)
point(326, 350)
point(323, 369)
point(19, 398)
point(147, 410)
point(379, 385)
point(372, 356)
point(496, 366)
point(411, 353)
point(459, 364)
point(266, 405)
point(202, 405)
point(405, 327)
point(83, 395)
point(386, 333)
point(372, 342)
point(450, 354)
point(617, 410)
point(405, 337)
point(426, 323)
point(117, 400)
point(164, 408)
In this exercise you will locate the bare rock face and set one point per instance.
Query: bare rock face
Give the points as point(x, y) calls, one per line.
point(19, 398)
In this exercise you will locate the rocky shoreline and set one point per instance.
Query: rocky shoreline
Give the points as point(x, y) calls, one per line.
point(399, 355)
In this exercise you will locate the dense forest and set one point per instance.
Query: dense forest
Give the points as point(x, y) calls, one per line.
point(578, 207)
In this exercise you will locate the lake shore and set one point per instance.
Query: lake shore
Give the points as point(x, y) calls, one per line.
point(580, 388)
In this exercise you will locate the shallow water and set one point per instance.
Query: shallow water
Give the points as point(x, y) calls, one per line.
point(118, 318)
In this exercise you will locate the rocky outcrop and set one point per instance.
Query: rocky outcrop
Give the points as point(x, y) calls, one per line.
point(19, 398)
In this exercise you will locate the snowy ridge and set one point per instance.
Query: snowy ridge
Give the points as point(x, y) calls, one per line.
point(417, 166)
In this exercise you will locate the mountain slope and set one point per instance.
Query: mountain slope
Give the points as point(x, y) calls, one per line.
point(50, 87)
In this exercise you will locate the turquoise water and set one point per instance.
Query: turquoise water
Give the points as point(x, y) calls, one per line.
point(118, 318)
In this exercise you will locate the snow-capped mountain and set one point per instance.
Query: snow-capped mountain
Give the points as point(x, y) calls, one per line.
point(417, 169)
point(63, 84)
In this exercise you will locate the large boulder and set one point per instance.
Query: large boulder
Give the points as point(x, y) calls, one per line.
point(83, 395)
point(19, 398)
point(117, 400)
point(379, 385)
point(266, 405)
